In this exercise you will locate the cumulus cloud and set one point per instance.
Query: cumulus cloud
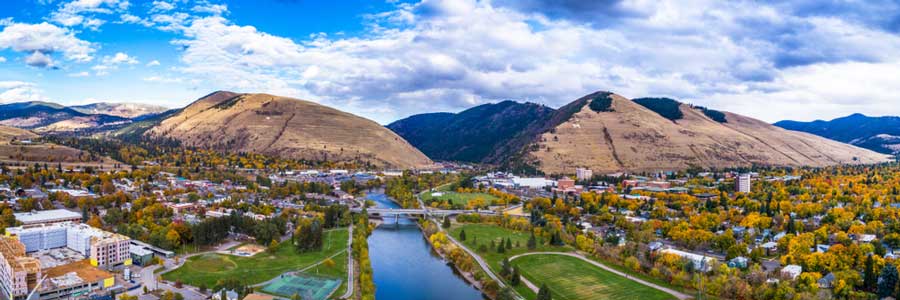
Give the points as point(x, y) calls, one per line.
point(41, 41)
point(19, 91)
point(85, 12)
point(119, 58)
point(153, 63)
point(449, 55)
point(2, 59)
point(161, 6)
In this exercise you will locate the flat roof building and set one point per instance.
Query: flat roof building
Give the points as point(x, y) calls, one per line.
point(48, 217)
point(18, 273)
point(103, 248)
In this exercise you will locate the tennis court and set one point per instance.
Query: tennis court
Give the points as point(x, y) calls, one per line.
point(307, 286)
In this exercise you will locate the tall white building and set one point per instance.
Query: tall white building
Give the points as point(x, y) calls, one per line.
point(584, 174)
point(742, 183)
point(101, 247)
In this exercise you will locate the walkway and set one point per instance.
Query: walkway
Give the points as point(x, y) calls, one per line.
point(534, 288)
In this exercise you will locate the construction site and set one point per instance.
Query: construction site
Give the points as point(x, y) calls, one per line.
point(59, 260)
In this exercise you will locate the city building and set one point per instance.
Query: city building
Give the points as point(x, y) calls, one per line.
point(742, 183)
point(141, 256)
point(19, 273)
point(48, 217)
point(584, 174)
point(102, 248)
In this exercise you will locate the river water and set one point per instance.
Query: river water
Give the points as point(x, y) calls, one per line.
point(405, 267)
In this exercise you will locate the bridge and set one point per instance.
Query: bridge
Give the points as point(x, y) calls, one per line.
point(419, 211)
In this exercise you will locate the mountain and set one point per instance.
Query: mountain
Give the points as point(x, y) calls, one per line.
point(609, 133)
point(880, 134)
point(285, 127)
point(124, 110)
point(17, 145)
point(52, 117)
point(481, 133)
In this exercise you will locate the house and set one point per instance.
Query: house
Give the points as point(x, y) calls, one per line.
point(770, 247)
point(738, 262)
point(700, 262)
point(791, 271)
point(866, 238)
point(826, 282)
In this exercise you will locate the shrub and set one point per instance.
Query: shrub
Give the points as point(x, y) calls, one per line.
point(602, 102)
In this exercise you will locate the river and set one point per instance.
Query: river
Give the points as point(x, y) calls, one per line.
point(404, 266)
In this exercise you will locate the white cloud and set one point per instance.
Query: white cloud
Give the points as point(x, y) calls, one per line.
point(79, 74)
point(119, 58)
point(215, 9)
point(163, 79)
point(40, 41)
point(39, 59)
point(449, 55)
point(153, 63)
point(85, 12)
point(2, 59)
point(159, 6)
point(19, 91)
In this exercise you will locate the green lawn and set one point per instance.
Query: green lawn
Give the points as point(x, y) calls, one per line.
point(458, 199)
point(210, 268)
point(484, 233)
point(570, 278)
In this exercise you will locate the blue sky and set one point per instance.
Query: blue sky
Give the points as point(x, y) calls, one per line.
point(385, 60)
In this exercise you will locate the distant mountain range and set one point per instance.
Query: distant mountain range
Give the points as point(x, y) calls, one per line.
point(880, 134)
point(47, 117)
point(609, 133)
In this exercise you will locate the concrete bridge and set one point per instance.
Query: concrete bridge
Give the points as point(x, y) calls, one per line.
point(419, 212)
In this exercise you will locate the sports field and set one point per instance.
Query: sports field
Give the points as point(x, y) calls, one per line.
point(482, 234)
point(306, 286)
point(207, 269)
point(457, 198)
point(570, 278)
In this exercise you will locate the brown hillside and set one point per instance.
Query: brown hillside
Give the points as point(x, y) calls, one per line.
point(17, 145)
point(634, 138)
point(286, 127)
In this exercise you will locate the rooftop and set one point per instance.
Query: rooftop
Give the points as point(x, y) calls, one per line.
point(46, 216)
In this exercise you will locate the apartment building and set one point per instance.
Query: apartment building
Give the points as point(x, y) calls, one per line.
point(19, 273)
point(104, 249)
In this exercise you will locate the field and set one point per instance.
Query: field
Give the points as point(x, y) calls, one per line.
point(207, 269)
point(570, 278)
point(460, 199)
point(482, 234)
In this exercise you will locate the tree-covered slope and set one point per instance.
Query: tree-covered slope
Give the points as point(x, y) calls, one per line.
point(880, 134)
point(473, 135)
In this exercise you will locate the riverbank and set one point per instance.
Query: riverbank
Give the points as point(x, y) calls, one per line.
point(468, 276)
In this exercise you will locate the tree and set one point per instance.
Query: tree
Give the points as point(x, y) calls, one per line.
point(508, 244)
point(544, 293)
point(273, 245)
point(296, 297)
point(532, 242)
point(462, 235)
point(506, 294)
point(328, 263)
point(887, 282)
point(501, 248)
point(504, 267)
point(516, 277)
point(446, 223)
point(869, 278)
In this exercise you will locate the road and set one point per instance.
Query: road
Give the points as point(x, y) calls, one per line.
point(350, 283)
point(530, 285)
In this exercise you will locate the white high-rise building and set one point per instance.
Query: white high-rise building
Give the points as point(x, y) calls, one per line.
point(742, 183)
point(583, 174)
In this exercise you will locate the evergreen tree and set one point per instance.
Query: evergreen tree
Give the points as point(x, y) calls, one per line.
point(506, 294)
point(493, 245)
point(543, 293)
point(446, 223)
point(869, 278)
point(508, 244)
point(887, 282)
point(532, 242)
point(516, 277)
point(504, 268)
point(500, 248)
point(462, 235)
